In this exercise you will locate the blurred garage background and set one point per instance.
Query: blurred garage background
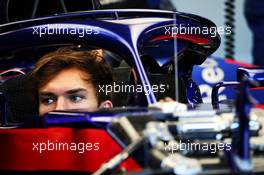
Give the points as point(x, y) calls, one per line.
point(215, 11)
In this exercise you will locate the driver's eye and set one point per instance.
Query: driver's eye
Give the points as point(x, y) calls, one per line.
point(47, 101)
point(76, 98)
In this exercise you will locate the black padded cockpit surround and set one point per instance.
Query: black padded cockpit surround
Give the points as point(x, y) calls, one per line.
point(20, 97)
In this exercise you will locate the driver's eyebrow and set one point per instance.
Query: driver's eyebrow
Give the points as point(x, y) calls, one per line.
point(46, 94)
point(73, 91)
point(69, 92)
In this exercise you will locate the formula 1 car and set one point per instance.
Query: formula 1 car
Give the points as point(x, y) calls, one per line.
point(145, 136)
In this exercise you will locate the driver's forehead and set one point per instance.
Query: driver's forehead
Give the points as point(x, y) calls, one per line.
point(66, 80)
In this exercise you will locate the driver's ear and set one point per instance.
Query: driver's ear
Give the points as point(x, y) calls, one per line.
point(106, 104)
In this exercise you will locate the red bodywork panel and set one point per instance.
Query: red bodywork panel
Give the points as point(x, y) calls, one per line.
point(191, 38)
point(18, 152)
point(261, 106)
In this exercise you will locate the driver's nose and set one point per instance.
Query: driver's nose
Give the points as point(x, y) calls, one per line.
point(60, 105)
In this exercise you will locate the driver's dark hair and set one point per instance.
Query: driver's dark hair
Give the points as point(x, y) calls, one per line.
point(90, 62)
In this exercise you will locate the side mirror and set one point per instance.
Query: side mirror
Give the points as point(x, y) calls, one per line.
point(254, 74)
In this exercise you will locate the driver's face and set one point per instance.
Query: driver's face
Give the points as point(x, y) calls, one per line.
point(68, 91)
